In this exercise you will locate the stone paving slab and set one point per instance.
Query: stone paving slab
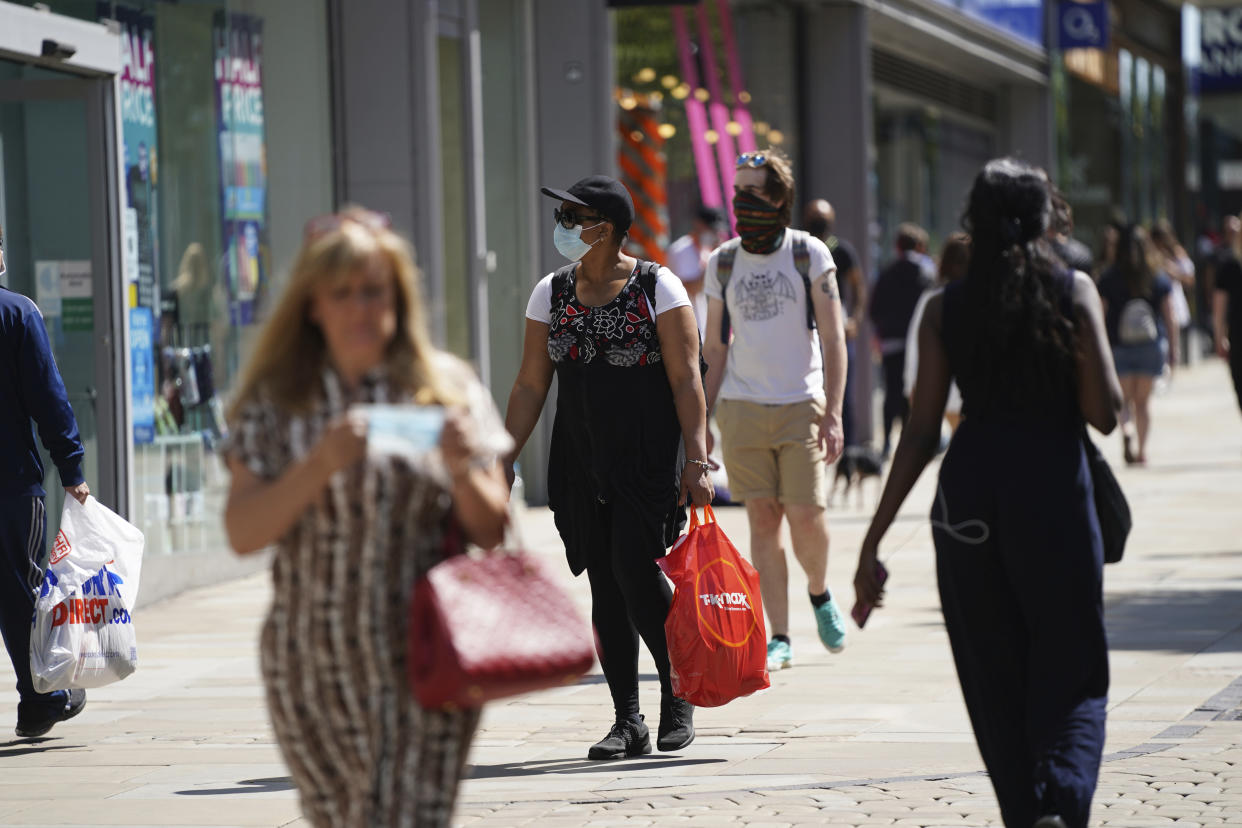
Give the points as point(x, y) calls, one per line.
point(874, 736)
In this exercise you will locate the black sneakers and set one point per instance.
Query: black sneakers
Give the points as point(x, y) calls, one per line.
point(31, 728)
point(627, 738)
point(676, 724)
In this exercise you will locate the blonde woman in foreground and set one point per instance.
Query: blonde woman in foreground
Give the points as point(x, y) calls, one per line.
point(352, 530)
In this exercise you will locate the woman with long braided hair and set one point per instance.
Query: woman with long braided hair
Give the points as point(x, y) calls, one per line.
point(1014, 523)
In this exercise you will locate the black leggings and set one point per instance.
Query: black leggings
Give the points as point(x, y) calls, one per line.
point(629, 598)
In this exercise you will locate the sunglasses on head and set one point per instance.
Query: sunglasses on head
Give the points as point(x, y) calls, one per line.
point(370, 219)
point(752, 159)
point(570, 219)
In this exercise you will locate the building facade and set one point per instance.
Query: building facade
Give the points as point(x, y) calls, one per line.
point(158, 160)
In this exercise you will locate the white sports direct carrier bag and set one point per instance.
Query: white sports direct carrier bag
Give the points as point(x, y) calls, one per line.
point(83, 634)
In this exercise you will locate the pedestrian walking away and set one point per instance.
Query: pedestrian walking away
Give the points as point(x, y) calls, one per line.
point(354, 528)
point(687, 257)
point(1173, 260)
point(776, 360)
point(34, 397)
point(1142, 329)
point(1073, 253)
point(629, 439)
point(1227, 301)
point(893, 299)
point(954, 259)
point(1024, 338)
point(820, 219)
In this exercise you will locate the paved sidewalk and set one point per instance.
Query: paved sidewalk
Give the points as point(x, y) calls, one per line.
point(874, 736)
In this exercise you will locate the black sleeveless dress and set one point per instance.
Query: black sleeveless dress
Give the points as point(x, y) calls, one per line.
point(616, 438)
point(1018, 561)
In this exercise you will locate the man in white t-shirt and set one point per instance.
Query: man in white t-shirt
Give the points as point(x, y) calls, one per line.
point(774, 325)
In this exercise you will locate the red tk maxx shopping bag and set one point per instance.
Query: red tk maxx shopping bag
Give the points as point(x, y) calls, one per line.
point(716, 639)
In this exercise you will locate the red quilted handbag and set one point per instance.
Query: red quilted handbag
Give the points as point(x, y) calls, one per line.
point(489, 626)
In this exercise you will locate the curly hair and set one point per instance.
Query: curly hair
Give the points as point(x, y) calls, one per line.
point(1022, 345)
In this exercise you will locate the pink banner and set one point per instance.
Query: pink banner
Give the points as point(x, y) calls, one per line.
point(720, 113)
point(741, 112)
point(696, 117)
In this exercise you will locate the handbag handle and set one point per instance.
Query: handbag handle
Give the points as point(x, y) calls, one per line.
point(708, 516)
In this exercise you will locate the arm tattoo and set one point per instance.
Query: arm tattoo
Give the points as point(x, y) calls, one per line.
point(829, 286)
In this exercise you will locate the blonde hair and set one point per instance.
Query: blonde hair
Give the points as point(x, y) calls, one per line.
point(193, 272)
point(290, 354)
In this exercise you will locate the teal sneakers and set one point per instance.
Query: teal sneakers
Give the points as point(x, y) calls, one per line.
point(780, 655)
point(831, 627)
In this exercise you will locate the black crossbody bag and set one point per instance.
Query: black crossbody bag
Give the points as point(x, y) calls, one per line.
point(1110, 502)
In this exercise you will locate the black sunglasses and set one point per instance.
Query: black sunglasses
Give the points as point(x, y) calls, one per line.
point(752, 159)
point(569, 219)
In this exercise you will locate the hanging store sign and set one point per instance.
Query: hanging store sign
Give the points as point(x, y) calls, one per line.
point(1082, 25)
point(1220, 46)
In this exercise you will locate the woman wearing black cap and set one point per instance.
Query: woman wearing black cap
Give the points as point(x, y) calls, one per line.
point(629, 442)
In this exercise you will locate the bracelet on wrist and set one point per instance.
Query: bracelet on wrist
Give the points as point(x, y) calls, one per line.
point(703, 464)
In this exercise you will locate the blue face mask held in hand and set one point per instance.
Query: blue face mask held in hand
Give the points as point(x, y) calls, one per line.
point(408, 431)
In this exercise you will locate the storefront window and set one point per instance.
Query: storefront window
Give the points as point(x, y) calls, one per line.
point(925, 159)
point(225, 124)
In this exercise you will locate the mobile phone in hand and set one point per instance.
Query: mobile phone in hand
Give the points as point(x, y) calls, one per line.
point(862, 611)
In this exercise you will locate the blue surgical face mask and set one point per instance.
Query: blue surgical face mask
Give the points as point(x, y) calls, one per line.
point(569, 243)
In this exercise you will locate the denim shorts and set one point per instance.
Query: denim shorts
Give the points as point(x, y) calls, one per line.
point(1147, 359)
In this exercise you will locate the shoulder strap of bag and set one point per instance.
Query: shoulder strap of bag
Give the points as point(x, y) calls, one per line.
point(724, 269)
point(560, 283)
point(648, 273)
point(802, 262)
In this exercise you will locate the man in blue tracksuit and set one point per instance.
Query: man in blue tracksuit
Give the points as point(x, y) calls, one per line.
point(30, 390)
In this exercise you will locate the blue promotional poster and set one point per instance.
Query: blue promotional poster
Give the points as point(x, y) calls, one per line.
point(243, 159)
point(1024, 19)
point(142, 372)
point(141, 152)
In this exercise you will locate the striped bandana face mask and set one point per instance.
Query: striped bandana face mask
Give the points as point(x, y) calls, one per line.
point(758, 223)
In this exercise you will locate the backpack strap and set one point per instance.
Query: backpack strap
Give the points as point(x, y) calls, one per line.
point(560, 282)
point(802, 262)
point(724, 269)
point(648, 273)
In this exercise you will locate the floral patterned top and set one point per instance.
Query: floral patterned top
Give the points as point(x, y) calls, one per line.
point(616, 438)
point(621, 332)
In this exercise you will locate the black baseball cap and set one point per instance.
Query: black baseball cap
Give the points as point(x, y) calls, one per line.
point(605, 195)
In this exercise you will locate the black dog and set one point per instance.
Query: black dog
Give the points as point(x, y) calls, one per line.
point(857, 463)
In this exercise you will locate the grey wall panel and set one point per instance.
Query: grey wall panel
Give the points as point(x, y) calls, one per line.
point(386, 125)
point(1026, 124)
point(837, 148)
point(574, 105)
